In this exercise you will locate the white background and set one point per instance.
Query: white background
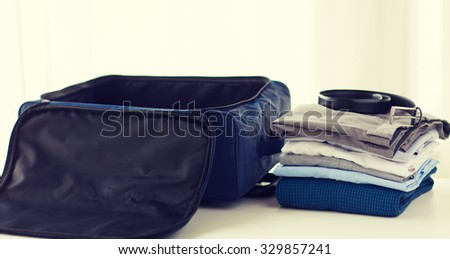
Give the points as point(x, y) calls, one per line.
point(396, 46)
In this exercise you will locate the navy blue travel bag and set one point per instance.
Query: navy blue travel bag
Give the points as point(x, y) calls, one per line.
point(133, 156)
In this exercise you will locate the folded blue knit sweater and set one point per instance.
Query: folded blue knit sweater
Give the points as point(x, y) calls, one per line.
point(327, 194)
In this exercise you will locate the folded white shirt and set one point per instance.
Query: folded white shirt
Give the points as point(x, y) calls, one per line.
point(425, 142)
point(365, 159)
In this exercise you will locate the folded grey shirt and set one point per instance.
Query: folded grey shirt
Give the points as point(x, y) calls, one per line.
point(372, 133)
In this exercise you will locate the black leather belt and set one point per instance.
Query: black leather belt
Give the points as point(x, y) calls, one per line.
point(369, 102)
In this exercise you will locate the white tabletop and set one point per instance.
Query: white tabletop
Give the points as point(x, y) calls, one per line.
point(426, 217)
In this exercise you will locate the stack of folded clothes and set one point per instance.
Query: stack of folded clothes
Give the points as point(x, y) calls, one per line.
point(355, 163)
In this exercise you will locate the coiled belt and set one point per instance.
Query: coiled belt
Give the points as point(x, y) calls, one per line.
point(370, 102)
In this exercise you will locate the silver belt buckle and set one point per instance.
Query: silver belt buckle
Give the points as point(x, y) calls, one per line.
point(416, 116)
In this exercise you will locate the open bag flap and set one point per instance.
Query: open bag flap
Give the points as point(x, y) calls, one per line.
point(67, 176)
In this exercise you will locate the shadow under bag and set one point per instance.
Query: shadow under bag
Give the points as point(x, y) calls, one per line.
point(133, 156)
